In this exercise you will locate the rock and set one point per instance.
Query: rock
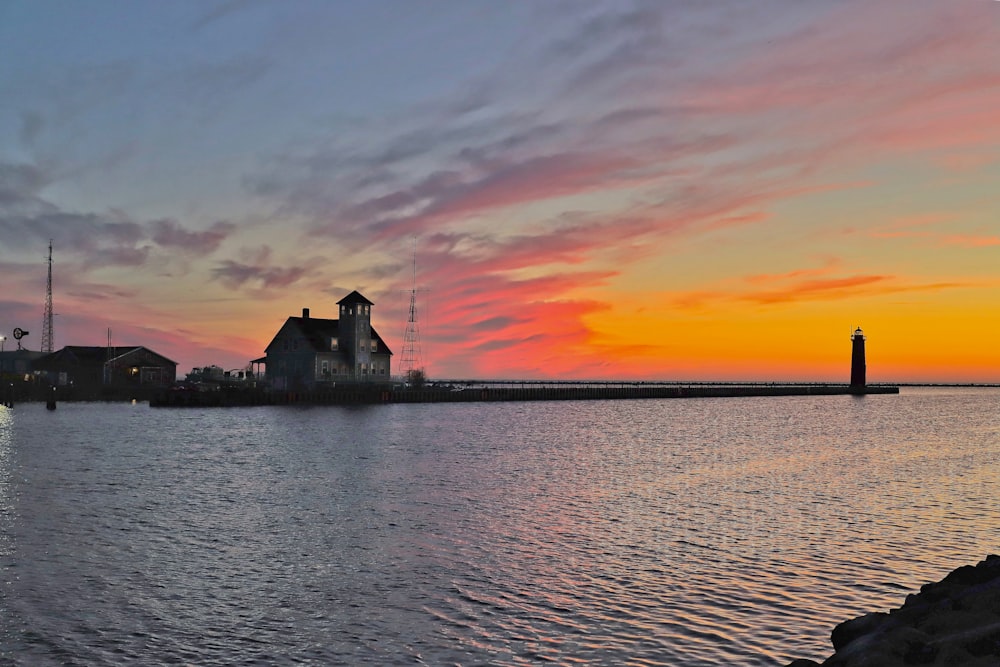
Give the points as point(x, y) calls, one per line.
point(955, 621)
point(848, 631)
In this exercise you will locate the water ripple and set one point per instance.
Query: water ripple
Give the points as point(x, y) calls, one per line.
point(680, 533)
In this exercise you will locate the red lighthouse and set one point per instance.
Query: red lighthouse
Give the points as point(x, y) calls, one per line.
point(858, 359)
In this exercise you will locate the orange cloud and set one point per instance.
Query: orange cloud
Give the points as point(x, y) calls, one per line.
point(971, 241)
point(791, 288)
point(830, 288)
point(921, 227)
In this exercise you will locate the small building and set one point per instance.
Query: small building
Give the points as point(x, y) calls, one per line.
point(101, 366)
point(18, 362)
point(308, 352)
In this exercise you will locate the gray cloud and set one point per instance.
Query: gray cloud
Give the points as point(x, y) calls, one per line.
point(235, 275)
point(32, 123)
point(19, 185)
point(170, 234)
point(223, 10)
point(111, 238)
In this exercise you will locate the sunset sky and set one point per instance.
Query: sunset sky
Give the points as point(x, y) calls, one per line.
point(671, 190)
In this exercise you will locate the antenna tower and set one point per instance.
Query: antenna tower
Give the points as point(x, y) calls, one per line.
point(410, 360)
point(47, 317)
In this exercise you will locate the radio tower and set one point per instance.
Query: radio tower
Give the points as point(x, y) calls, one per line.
point(410, 360)
point(47, 317)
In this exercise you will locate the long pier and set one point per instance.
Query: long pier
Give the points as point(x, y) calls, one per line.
point(497, 391)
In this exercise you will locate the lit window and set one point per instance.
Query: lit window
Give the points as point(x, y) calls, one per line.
point(333, 344)
point(374, 346)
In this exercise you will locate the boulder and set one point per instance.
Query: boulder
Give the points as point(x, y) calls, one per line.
point(955, 621)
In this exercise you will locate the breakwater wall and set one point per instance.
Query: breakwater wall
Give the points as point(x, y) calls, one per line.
point(374, 394)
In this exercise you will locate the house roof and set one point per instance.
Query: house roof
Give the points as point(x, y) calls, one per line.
point(353, 298)
point(95, 354)
point(318, 331)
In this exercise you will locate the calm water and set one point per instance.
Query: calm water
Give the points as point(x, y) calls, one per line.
point(671, 532)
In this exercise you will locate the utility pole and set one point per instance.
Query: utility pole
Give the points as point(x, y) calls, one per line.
point(47, 317)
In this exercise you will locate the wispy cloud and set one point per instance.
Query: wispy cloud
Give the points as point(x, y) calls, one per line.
point(813, 284)
point(936, 230)
point(235, 275)
point(111, 238)
point(170, 234)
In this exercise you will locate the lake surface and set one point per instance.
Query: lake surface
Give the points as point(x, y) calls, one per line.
point(647, 532)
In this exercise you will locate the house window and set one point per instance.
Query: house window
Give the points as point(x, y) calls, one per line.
point(374, 346)
point(325, 367)
point(284, 345)
point(333, 344)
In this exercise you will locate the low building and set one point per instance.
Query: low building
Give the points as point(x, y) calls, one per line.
point(18, 362)
point(101, 366)
point(308, 352)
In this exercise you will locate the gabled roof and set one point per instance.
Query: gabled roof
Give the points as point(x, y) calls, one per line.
point(318, 332)
point(353, 298)
point(382, 345)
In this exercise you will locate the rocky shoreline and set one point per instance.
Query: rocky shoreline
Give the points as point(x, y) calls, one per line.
point(955, 621)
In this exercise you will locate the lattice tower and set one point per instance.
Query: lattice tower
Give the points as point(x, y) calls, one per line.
point(411, 339)
point(410, 359)
point(47, 316)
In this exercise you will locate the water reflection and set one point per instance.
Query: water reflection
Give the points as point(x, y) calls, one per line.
point(6, 500)
point(8, 629)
